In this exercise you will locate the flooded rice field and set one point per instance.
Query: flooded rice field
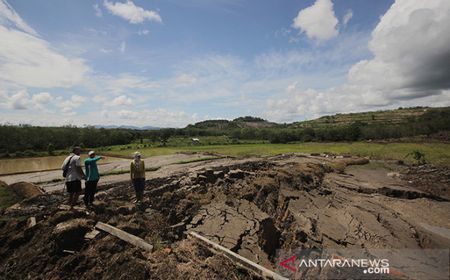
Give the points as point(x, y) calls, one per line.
point(35, 164)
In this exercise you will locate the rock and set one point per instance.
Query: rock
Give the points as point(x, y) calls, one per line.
point(126, 209)
point(14, 207)
point(236, 174)
point(162, 189)
point(202, 179)
point(70, 234)
point(92, 234)
point(393, 174)
point(31, 222)
point(209, 176)
point(101, 195)
point(185, 181)
point(63, 216)
point(100, 207)
point(219, 174)
point(64, 207)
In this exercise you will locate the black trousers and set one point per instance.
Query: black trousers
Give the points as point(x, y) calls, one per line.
point(89, 192)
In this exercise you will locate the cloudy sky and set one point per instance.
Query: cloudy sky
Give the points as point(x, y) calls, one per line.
point(169, 63)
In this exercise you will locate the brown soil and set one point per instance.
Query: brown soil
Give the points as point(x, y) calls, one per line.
point(253, 208)
point(26, 190)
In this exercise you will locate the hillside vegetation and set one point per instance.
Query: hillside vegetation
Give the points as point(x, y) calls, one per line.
point(424, 122)
point(397, 116)
point(241, 122)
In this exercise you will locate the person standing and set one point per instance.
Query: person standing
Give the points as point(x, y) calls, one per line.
point(92, 178)
point(74, 174)
point(137, 173)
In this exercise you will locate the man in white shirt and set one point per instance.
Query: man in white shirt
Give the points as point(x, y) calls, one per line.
point(74, 174)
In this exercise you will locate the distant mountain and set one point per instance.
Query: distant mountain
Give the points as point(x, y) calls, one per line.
point(128, 127)
point(398, 116)
point(241, 122)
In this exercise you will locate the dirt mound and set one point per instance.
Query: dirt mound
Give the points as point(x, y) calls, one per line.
point(26, 190)
point(7, 196)
point(254, 209)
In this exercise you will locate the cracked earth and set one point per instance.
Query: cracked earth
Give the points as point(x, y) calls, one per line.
point(253, 207)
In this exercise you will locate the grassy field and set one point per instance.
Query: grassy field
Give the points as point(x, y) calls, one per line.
point(435, 153)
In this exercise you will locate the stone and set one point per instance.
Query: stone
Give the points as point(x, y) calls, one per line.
point(236, 174)
point(92, 234)
point(70, 234)
point(31, 222)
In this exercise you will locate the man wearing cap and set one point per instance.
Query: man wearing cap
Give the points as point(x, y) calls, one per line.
point(137, 173)
point(73, 173)
point(92, 177)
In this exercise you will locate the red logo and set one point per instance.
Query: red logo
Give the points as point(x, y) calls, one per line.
point(287, 263)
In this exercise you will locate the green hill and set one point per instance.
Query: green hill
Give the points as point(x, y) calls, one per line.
point(385, 117)
point(241, 122)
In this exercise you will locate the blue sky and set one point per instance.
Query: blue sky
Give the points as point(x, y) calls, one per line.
point(174, 62)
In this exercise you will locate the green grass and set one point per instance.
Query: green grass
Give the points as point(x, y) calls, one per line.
point(196, 160)
point(436, 153)
point(173, 143)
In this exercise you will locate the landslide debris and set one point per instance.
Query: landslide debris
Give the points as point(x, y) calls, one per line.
point(253, 208)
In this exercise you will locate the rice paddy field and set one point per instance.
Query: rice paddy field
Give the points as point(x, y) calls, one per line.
point(435, 153)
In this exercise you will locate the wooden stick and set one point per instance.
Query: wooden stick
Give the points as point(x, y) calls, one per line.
point(241, 260)
point(125, 236)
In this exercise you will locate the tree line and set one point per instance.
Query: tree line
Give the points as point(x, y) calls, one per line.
point(25, 139)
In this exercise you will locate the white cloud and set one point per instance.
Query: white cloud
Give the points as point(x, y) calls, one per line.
point(318, 21)
point(409, 68)
point(130, 12)
point(347, 17)
point(98, 11)
point(121, 101)
point(19, 101)
point(156, 117)
point(29, 61)
point(411, 51)
point(117, 85)
point(77, 100)
point(8, 16)
point(42, 98)
point(123, 47)
point(186, 79)
point(68, 106)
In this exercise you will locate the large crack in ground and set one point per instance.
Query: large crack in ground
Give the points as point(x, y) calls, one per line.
point(254, 209)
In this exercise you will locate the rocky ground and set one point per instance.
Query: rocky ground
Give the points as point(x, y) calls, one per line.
point(253, 207)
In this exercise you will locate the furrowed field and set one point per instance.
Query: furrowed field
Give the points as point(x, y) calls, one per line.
point(435, 153)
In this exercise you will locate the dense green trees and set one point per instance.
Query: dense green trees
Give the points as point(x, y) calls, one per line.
point(30, 138)
point(24, 139)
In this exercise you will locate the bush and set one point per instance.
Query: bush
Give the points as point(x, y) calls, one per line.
point(418, 156)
